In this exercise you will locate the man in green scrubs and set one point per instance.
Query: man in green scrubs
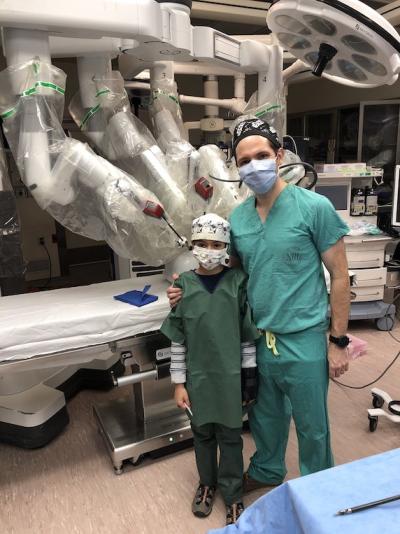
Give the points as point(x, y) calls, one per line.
point(281, 235)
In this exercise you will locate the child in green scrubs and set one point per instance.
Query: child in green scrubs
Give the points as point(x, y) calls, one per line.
point(213, 363)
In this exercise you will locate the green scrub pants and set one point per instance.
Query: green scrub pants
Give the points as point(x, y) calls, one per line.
point(228, 475)
point(295, 383)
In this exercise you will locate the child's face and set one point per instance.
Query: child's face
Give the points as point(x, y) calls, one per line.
point(209, 245)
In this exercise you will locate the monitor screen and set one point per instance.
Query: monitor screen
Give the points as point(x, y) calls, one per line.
point(396, 199)
point(337, 194)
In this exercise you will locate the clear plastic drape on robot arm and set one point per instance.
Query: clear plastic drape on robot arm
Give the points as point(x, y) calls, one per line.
point(81, 190)
point(135, 216)
point(132, 217)
point(166, 117)
point(128, 143)
point(226, 196)
point(32, 126)
point(92, 109)
point(193, 169)
point(273, 112)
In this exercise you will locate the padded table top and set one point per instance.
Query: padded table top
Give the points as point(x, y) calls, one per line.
point(34, 324)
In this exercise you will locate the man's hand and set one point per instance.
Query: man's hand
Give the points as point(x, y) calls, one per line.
point(181, 396)
point(338, 360)
point(174, 294)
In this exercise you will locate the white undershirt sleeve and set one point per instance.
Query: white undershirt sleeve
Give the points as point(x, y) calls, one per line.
point(248, 350)
point(178, 363)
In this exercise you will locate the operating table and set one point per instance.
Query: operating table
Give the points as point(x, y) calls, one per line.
point(54, 342)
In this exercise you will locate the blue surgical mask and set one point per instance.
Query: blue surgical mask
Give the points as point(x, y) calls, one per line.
point(259, 175)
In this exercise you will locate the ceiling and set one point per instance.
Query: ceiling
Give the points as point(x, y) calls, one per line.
point(242, 17)
point(376, 4)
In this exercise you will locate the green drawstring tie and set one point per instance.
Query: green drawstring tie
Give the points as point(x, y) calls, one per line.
point(271, 343)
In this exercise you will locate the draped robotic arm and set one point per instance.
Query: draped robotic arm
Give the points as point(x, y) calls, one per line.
point(142, 199)
point(83, 191)
point(142, 216)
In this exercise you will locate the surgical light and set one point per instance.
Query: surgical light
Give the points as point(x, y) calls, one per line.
point(346, 41)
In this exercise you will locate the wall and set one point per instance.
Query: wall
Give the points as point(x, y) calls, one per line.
point(36, 223)
point(322, 94)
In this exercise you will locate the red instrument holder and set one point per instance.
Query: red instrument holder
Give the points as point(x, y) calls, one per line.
point(153, 209)
point(204, 188)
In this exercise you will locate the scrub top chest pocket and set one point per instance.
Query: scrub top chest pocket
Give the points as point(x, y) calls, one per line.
point(293, 250)
point(282, 248)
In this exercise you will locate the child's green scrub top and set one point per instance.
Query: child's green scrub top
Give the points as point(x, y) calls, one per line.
point(212, 327)
point(282, 257)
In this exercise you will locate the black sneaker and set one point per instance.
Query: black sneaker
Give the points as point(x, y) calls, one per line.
point(203, 501)
point(233, 512)
point(250, 484)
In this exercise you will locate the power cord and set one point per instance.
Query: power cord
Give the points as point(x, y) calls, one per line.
point(43, 244)
point(370, 383)
point(390, 364)
point(287, 136)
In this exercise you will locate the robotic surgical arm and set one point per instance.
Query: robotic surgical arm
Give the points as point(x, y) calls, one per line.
point(178, 174)
point(102, 110)
point(195, 169)
point(81, 190)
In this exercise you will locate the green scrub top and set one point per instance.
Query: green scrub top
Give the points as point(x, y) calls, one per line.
point(282, 257)
point(212, 326)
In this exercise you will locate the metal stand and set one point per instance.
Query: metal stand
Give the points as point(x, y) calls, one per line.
point(147, 420)
point(33, 400)
point(383, 313)
point(129, 439)
point(379, 398)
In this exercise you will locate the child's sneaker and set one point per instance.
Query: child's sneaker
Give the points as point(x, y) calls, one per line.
point(233, 512)
point(203, 501)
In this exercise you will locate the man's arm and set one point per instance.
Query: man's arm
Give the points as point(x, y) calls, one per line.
point(335, 261)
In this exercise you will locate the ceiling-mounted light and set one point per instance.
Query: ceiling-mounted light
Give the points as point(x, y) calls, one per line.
point(345, 41)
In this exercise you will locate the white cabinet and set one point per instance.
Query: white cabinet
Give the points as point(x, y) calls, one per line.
point(371, 277)
point(367, 294)
point(366, 256)
point(359, 259)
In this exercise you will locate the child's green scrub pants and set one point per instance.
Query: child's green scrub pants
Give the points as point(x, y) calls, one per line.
point(293, 383)
point(228, 475)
